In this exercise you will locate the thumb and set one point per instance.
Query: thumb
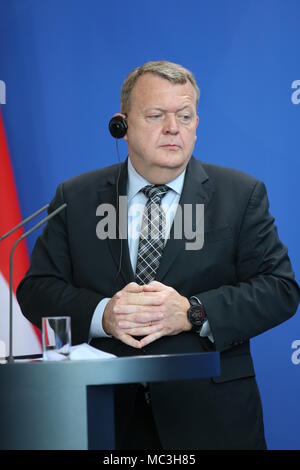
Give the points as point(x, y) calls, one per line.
point(133, 287)
point(150, 287)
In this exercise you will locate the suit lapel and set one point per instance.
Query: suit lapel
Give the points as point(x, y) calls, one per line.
point(108, 194)
point(197, 189)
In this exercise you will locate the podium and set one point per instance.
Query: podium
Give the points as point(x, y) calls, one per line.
point(70, 404)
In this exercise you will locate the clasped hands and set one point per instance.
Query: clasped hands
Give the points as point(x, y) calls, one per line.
point(152, 311)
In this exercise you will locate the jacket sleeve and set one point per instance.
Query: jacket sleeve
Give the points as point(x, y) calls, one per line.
point(47, 289)
point(266, 293)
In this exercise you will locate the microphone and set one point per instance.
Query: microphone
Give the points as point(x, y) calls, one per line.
point(35, 227)
point(23, 222)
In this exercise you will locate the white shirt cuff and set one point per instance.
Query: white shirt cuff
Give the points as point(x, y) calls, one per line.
point(206, 331)
point(96, 329)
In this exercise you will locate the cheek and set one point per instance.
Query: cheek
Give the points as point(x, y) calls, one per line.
point(151, 137)
point(189, 138)
point(141, 142)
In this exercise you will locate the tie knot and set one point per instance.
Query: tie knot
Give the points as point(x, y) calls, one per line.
point(155, 192)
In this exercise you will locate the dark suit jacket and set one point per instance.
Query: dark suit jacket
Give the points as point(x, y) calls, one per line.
point(242, 275)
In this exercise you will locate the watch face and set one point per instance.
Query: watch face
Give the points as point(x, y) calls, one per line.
point(197, 315)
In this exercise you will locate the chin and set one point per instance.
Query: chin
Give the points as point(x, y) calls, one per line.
point(171, 159)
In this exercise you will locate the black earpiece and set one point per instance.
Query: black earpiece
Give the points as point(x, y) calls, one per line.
point(118, 127)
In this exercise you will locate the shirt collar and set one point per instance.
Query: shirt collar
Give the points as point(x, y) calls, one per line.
point(136, 182)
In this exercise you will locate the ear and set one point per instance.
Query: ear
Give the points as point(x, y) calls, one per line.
point(124, 116)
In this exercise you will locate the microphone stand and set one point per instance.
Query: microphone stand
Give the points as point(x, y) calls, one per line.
point(23, 222)
point(10, 359)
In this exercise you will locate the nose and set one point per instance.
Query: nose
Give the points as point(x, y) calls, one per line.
point(170, 125)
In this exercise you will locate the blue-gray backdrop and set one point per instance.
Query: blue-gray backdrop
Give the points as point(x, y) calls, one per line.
point(63, 63)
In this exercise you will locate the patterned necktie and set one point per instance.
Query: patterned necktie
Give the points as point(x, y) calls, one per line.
point(151, 241)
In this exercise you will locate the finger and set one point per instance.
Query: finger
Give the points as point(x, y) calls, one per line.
point(127, 339)
point(128, 324)
point(118, 294)
point(125, 324)
point(138, 313)
point(141, 298)
point(132, 287)
point(151, 337)
point(154, 286)
point(144, 330)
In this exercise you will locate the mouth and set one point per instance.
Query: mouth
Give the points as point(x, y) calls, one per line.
point(170, 146)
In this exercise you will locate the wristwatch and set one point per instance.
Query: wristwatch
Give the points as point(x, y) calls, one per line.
point(196, 314)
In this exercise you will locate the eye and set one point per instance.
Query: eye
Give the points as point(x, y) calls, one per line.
point(184, 118)
point(155, 116)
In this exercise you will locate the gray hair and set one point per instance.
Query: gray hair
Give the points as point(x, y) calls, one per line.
point(170, 71)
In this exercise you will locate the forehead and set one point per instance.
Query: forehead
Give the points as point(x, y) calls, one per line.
point(153, 91)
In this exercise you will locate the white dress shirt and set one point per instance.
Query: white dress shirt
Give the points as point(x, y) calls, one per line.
point(136, 201)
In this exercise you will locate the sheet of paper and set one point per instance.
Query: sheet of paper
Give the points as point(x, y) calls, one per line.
point(85, 351)
point(78, 353)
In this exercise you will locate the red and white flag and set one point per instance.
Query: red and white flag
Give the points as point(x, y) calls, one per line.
point(26, 338)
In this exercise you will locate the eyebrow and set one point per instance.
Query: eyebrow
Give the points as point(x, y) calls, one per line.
point(164, 110)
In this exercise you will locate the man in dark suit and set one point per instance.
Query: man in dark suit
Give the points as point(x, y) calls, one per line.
point(132, 296)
